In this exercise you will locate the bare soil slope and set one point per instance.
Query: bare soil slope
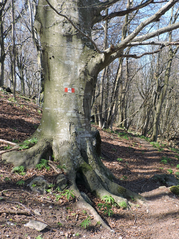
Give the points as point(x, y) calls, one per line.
point(134, 162)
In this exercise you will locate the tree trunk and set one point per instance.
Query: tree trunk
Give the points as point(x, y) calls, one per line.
point(13, 51)
point(162, 94)
point(70, 69)
point(2, 53)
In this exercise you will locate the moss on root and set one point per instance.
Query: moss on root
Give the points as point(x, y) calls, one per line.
point(175, 190)
point(85, 167)
point(121, 190)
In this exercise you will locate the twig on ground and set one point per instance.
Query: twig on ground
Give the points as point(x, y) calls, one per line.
point(7, 142)
point(53, 166)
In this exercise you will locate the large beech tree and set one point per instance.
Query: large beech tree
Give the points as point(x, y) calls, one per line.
point(71, 61)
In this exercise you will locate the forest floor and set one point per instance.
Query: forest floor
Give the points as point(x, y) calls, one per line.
point(132, 160)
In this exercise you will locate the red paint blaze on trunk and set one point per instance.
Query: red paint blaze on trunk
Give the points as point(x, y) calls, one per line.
point(70, 90)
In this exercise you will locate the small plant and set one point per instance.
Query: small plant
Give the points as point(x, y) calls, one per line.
point(177, 166)
point(58, 189)
point(69, 194)
point(123, 178)
point(174, 150)
point(77, 234)
point(19, 170)
point(123, 205)
point(58, 197)
point(7, 147)
point(108, 199)
point(143, 137)
point(39, 237)
point(86, 222)
point(59, 224)
point(20, 183)
point(51, 185)
point(132, 198)
point(157, 145)
point(164, 161)
point(7, 179)
point(123, 135)
point(170, 171)
point(43, 164)
point(106, 208)
point(177, 174)
point(15, 140)
point(28, 143)
point(50, 188)
point(119, 159)
point(61, 167)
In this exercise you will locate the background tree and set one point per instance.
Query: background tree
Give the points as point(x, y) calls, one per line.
point(2, 53)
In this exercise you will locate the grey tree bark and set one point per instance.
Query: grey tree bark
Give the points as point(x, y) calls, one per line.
point(13, 49)
point(2, 53)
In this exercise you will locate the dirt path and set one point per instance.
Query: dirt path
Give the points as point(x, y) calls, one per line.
point(134, 162)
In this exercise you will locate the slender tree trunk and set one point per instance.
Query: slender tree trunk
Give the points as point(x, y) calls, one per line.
point(37, 44)
point(13, 51)
point(2, 53)
point(102, 86)
point(162, 95)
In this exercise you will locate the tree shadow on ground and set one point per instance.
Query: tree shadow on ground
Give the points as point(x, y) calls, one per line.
point(134, 168)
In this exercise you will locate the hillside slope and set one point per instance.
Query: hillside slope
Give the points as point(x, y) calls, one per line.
point(134, 162)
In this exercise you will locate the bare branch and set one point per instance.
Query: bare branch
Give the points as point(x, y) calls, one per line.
point(157, 32)
point(122, 13)
point(142, 25)
point(139, 56)
point(161, 43)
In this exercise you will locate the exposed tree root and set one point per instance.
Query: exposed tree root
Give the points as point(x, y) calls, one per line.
point(81, 163)
point(81, 203)
point(28, 158)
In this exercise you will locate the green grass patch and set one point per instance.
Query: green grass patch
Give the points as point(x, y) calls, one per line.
point(123, 205)
point(19, 170)
point(28, 143)
point(20, 183)
point(170, 171)
point(85, 223)
point(43, 164)
point(165, 160)
point(123, 135)
point(106, 208)
point(143, 137)
point(119, 159)
point(175, 150)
